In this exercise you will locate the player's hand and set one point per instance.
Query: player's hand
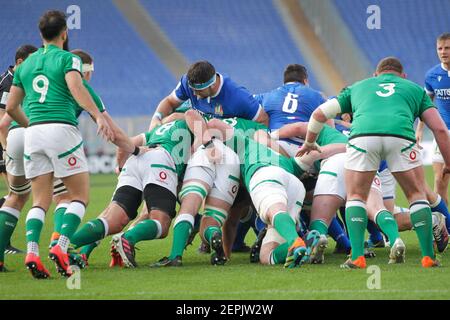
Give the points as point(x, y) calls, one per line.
point(306, 148)
point(419, 141)
point(104, 129)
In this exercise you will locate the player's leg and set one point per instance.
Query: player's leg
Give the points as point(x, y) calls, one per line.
point(198, 180)
point(385, 220)
point(19, 187)
point(358, 187)
point(329, 195)
point(41, 188)
point(274, 248)
point(440, 183)
point(404, 159)
point(62, 200)
point(10, 211)
point(218, 204)
point(269, 196)
point(438, 205)
point(161, 202)
point(412, 183)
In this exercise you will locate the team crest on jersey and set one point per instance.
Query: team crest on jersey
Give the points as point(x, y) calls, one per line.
point(439, 78)
point(218, 109)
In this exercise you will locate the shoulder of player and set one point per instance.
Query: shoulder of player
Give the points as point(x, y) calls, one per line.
point(435, 70)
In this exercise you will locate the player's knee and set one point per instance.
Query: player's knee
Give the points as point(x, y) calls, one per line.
point(193, 188)
point(217, 214)
point(271, 204)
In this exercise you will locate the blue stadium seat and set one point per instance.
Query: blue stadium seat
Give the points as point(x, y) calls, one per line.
point(408, 31)
point(128, 76)
point(246, 40)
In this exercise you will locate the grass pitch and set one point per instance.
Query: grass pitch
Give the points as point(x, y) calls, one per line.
point(237, 280)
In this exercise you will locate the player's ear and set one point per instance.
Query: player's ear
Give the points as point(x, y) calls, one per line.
point(404, 75)
point(19, 61)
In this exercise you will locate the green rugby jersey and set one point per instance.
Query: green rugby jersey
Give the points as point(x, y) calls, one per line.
point(176, 138)
point(244, 126)
point(42, 77)
point(327, 136)
point(386, 105)
point(253, 156)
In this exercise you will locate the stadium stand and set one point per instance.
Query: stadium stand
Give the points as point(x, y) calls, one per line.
point(245, 40)
point(408, 31)
point(128, 76)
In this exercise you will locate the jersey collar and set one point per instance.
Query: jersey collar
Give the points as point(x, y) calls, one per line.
point(443, 68)
point(220, 86)
point(10, 70)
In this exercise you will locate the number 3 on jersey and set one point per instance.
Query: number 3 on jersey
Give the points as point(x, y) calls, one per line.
point(389, 87)
point(40, 85)
point(290, 103)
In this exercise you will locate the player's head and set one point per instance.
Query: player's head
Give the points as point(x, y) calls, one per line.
point(88, 63)
point(390, 65)
point(23, 52)
point(443, 48)
point(201, 78)
point(296, 73)
point(53, 27)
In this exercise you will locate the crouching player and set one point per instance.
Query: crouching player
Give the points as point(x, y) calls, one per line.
point(276, 192)
point(212, 175)
point(153, 176)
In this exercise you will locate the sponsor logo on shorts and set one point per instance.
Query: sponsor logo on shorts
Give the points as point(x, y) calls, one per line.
point(413, 155)
point(234, 189)
point(163, 175)
point(72, 161)
point(377, 181)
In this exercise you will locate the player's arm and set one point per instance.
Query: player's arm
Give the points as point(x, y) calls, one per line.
point(290, 130)
point(4, 125)
point(122, 155)
point(264, 138)
point(197, 125)
point(164, 109)
point(173, 117)
point(307, 160)
point(433, 120)
point(13, 108)
point(121, 138)
point(420, 124)
point(84, 99)
point(328, 110)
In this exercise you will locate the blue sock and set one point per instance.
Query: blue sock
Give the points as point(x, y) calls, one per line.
point(374, 233)
point(242, 230)
point(338, 234)
point(342, 212)
point(305, 217)
point(441, 207)
point(259, 224)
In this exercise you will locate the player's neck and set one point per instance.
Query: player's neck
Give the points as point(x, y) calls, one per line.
point(445, 66)
point(57, 43)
